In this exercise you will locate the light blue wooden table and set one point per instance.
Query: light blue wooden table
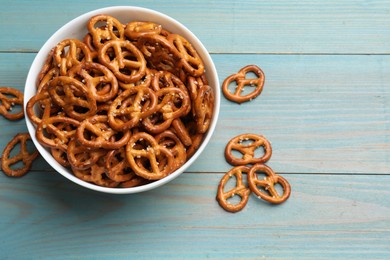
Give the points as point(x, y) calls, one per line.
point(325, 107)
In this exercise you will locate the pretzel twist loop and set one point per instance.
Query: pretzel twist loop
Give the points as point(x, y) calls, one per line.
point(173, 103)
point(190, 59)
point(110, 31)
point(170, 140)
point(9, 98)
point(158, 160)
point(131, 106)
point(73, 97)
point(94, 132)
point(123, 59)
point(242, 81)
point(117, 167)
point(56, 131)
point(80, 157)
point(247, 144)
point(269, 193)
point(240, 189)
point(98, 79)
point(70, 52)
point(137, 29)
point(23, 156)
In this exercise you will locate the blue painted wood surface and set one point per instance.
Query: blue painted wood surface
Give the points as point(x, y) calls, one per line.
point(325, 108)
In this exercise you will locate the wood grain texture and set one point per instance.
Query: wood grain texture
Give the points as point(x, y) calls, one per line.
point(328, 216)
point(248, 26)
point(324, 107)
point(322, 114)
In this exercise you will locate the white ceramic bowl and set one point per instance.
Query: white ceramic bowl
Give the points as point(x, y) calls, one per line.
point(76, 28)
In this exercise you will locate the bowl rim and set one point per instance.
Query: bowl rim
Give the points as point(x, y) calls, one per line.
point(40, 57)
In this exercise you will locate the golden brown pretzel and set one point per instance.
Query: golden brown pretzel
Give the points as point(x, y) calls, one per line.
point(131, 106)
point(193, 85)
point(159, 161)
point(160, 53)
point(144, 81)
point(247, 144)
point(136, 29)
point(240, 189)
point(70, 52)
point(98, 78)
point(111, 30)
point(60, 156)
point(133, 182)
point(169, 140)
point(56, 131)
point(88, 40)
point(181, 131)
point(49, 76)
point(203, 108)
point(9, 98)
point(242, 81)
point(123, 59)
point(167, 109)
point(117, 167)
point(196, 142)
point(23, 156)
point(85, 175)
point(165, 79)
point(190, 59)
point(45, 103)
point(94, 132)
point(71, 95)
point(80, 157)
point(96, 175)
point(268, 193)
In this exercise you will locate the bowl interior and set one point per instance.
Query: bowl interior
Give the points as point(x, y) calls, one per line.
point(76, 28)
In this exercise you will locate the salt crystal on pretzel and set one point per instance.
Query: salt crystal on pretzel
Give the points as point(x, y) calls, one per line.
point(9, 97)
point(248, 149)
point(268, 184)
point(240, 190)
point(241, 81)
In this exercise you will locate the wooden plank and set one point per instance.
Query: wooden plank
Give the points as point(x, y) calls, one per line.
point(14, 68)
point(324, 114)
point(324, 107)
point(248, 26)
point(325, 217)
